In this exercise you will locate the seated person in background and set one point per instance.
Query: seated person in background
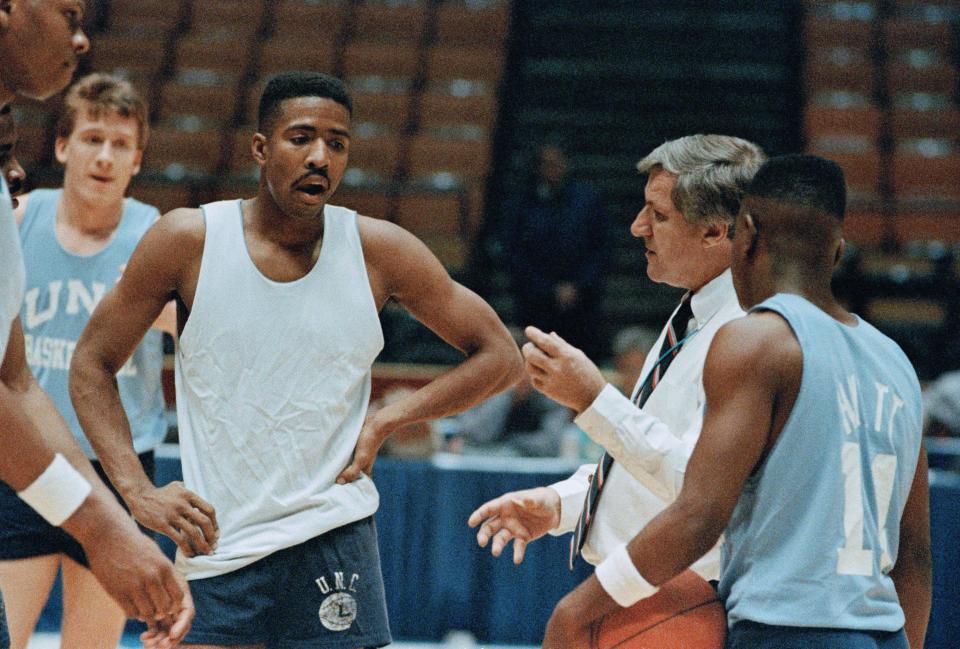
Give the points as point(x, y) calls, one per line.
point(630, 348)
point(941, 406)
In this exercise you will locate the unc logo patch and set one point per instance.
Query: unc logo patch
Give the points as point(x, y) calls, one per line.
point(338, 611)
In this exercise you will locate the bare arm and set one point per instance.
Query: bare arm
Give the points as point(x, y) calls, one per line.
point(31, 424)
point(129, 565)
point(912, 575)
point(151, 280)
point(402, 268)
point(741, 378)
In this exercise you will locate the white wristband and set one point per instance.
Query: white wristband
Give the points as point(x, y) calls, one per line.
point(621, 579)
point(58, 492)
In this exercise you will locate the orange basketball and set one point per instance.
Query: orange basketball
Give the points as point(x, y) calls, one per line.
point(684, 614)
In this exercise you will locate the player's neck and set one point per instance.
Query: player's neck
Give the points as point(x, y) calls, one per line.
point(817, 291)
point(267, 220)
point(82, 225)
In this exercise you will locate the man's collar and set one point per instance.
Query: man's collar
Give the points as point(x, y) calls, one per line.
point(712, 297)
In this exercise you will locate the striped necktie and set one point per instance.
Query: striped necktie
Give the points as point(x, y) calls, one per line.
point(669, 348)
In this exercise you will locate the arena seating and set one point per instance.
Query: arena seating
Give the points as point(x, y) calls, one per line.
point(882, 100)
point(424, 75)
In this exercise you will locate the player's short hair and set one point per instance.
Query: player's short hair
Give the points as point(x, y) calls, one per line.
point(712, 172)
point(99, 94)
point(803, 180)
point(291, 85)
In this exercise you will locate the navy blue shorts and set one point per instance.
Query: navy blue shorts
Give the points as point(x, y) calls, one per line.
point(25, 534)
point(4, 635)
point(326, 592)
point(753, 635)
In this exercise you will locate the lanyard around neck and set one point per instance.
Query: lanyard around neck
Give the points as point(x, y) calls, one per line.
point(649, 377)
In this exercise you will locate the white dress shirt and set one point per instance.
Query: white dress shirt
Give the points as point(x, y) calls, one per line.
point(650, 446)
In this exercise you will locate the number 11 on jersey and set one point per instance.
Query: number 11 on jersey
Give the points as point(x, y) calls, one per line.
point(853, 558)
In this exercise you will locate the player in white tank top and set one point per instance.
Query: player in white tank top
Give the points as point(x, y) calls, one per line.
point(279, 298)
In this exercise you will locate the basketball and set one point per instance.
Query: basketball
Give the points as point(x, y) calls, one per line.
point(684, 614)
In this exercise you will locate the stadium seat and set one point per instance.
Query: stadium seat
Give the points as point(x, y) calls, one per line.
point(183, 154)
point(389, 108)
point(840, 68)
point(236, 19)
point(919, 32)
point(131, 52)
point(379, 59)
point(165, 196)
point(463, 159)
point(446, 63)
point(388, 21)
point(144, 16)
point(282, 54)
point(308, 19)
point(915, 175)
point(369, 201)
point(928, 226)
point(865, 228)
point(207, 94)
point(449, 105)
point(856, 118)
point(432, 213)
point(920, 70)
point(217, 51)
point(473, 23)
point(377, 156)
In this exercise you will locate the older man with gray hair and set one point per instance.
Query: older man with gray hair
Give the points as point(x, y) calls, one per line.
point(693, 192)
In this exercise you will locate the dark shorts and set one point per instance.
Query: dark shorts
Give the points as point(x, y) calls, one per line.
point(753, 635)
point(25, 534)
point(324, 593)
point(4, 635)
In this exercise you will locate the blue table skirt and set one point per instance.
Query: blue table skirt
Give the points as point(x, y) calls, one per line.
point(437, 579)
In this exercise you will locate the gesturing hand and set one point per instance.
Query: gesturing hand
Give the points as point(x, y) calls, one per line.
point(177, 512)
point(561, 371)
point(520, 516)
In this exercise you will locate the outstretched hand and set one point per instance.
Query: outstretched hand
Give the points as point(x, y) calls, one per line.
point(560, 370)
point(518, 516)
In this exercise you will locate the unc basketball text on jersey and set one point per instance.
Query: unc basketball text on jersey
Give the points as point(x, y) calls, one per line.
point(43, 304)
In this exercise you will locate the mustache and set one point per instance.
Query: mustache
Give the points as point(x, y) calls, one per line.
point(322, 172)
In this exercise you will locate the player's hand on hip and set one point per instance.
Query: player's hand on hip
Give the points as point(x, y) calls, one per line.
point(560, 370)
point(134, 572)
point(518, 516)
point(177, 512)
point(372, 437)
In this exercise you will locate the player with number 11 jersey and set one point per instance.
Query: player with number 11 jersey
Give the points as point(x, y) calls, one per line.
point(815, 537)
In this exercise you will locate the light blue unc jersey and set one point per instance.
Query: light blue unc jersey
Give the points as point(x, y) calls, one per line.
point(816, 530)
point(62, 290)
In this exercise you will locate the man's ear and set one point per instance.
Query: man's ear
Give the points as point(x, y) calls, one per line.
point(60, 150)
point(838, 255)
point(715, 233)
point(258, 146)
point(753, 231)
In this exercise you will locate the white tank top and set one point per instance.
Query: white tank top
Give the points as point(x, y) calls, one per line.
point(273, 382)
point(11, 268)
